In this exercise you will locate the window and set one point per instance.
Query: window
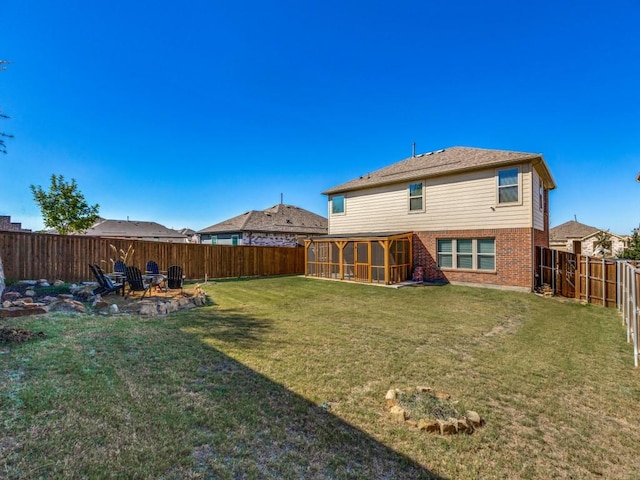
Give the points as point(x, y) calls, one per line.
point(541, 197)
point(508, 186)
point(416, 203)
point(337, 204)
point(467, 253)
point(445, 253)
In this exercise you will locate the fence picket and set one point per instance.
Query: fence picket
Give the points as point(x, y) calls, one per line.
point(35, 256)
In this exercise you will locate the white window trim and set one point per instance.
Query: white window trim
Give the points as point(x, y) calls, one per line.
point(474, 255)
point(344, 205)
point(508, 204)
point(423, 196)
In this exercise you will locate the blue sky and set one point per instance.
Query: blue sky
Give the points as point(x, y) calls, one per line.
point(189, 113)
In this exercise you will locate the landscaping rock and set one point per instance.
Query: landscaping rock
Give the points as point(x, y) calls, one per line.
point(424, 389)
point(11, 296)
point(464, 426)
point(66, 306)
point(430, 425)
point(448, 428)
point(13, 312)
point(30, 293)
point(58, 283)
point(148, 308)
point(399, 414)
point(442, 396)
point(474, 419)
point(113, 309)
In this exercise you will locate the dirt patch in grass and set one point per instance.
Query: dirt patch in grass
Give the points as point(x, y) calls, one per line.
point(17, 335)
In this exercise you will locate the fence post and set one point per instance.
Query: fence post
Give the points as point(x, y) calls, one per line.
point(634, 305)
point(554, 271)
point(604, 283)
point(587, 278)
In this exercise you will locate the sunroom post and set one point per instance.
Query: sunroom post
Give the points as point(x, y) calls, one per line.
point(370, 260)
point(385, 247)
point(341, 246)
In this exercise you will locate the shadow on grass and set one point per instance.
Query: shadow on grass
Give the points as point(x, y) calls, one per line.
point(249, 426)
point(226, 325)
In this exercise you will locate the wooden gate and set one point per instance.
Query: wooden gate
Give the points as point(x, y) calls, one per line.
point(566, 267)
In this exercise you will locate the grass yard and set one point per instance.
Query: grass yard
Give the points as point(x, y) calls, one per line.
point(285, 378)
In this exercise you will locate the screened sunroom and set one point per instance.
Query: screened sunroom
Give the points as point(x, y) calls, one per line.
point(369, 258)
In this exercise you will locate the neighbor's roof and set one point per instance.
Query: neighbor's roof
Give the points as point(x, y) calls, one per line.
point(279, 218)
point(131, 228)
point(443, 162)
point(571, 229)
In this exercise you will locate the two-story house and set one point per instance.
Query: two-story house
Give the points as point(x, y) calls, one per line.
point(462, 215)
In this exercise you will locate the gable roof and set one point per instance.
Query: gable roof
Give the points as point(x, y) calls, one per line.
point(442, 162)
point(280, 218)
point(131, 228)
point(571, 229)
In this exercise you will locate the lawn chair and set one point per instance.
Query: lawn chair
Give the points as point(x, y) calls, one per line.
point(105, 284)
point(175, 278)
point(152, 268)
point(136, 282)
point(120, 268)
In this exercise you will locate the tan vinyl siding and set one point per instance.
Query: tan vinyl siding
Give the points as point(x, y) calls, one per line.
point(462, 201)
point(538, 212)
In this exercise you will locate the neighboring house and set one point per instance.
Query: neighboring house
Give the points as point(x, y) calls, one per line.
point(463, 215)
point(191, 234)
point(280, 225)
point(135, 230)
point(576, 237)
point(6, 225)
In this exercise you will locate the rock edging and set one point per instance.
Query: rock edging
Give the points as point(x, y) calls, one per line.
point(468, 423)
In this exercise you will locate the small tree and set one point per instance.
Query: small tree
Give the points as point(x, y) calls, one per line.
point(64, 207)
point(602, 244)
point(3, 135)
point(632, 250)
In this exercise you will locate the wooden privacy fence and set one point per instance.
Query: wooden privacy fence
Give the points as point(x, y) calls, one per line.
point(608, 282)
point(594, 280)
point(66, 257)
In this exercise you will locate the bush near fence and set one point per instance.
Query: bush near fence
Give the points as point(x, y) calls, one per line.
point(66, 257)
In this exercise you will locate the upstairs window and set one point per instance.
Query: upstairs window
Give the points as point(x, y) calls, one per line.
point(416, 197)
point(508, 186)
point(337, 205)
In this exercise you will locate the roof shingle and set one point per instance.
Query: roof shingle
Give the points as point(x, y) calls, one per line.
point(441, 162)
point(279, 218)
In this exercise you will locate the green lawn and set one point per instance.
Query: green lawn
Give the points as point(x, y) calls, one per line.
point(285, 378)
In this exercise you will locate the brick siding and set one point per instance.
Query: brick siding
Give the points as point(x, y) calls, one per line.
point(514, 256)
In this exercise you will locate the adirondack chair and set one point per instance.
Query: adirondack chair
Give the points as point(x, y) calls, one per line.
point(136, 282)
point(175, 278)
point(152, 267)
point(120, 268)
point(105, 284)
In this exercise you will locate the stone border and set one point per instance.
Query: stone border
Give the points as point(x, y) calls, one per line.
point(15, 305)
point(466, 424)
